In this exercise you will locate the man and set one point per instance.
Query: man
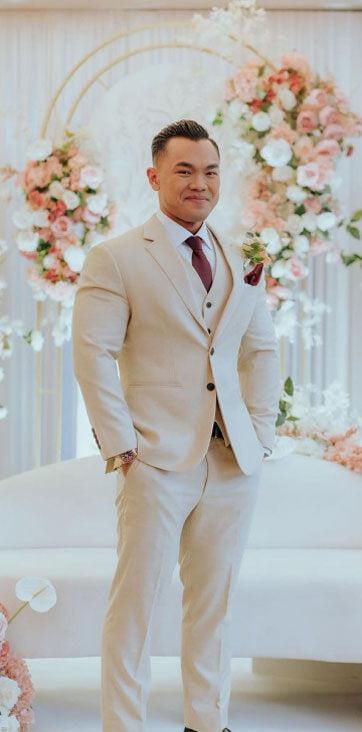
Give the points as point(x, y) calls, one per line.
point(186, 425)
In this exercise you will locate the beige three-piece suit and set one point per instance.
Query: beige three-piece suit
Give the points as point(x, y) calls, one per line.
point(186, 358)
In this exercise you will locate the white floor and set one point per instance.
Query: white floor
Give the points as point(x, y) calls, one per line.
point(67, 699)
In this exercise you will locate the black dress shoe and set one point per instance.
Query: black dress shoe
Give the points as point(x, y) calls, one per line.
point(187, 729)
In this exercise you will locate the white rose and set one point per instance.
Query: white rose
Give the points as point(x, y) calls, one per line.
point(326, 220)
point(278, 269)
point(9, 692)
point(296, 194)
point(283, 173)
point(40, 218)
point(307, 175)
point(261, 121)
point(97, 203)
point(71, 200)
point(276, 115)
point(294, 224)
point(287, 98)
point(56, 189)
point(36, 340)
point(309, 221)
point(27, 240)
point(91, 176)
point(271, 238)
point(236, 109)
point(48, 262)
point(23, 217)
point(39, 149)
point(74, 257)
point(276, 152)
point(301, 244)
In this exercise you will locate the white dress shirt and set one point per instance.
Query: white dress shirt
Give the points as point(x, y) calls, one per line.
point(178, 234)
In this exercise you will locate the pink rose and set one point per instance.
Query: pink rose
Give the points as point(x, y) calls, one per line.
point(62, 226)
point(36, 200)
point(295, 60)
point(304, 149)
point(90, 217)
point(328, 115)
point(327, 147)
point(316, 98)
point(312, 203)
point(77, 161)
point(334, 132)
point(307, 121)
point(295, 267)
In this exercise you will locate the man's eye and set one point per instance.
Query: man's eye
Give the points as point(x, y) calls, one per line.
point(212, 172)
point(184, 171)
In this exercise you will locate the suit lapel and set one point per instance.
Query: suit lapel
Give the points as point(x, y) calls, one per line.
point(162, 250)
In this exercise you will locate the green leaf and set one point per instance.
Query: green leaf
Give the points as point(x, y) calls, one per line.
point(292, 419)
point(353, 231)
point(288, 386)
point(357, 215)
point(300, 210)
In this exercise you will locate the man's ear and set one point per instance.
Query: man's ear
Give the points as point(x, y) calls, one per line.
point(153, 178)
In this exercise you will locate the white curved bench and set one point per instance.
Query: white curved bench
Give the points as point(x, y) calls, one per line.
point(300, 587)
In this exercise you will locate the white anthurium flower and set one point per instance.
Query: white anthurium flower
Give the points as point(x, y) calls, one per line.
point(27, 240)
point(276, 152)
point(9, 692)
point(261, 121)
point(40, 218)
point(36, 340)
point(23, 217)
point(326, 220)
point(309, 220)
point(39, 149)
point(283, 173)
point(287, 99)
point(49, 261)
point(56, 189)
point(27, 587)
point(278, 268)
point(295, 193)
point(3, 246)
point(71, 200)
point(301, 244)
point(271, 238)
point(74, 257)
point(276, 115)
point(294, 224)
point(97, 203)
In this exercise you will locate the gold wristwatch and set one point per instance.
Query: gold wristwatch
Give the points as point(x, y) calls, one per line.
point(125, 457)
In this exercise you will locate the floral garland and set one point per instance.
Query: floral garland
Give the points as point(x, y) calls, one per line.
point(293, 126)
point(65, 206)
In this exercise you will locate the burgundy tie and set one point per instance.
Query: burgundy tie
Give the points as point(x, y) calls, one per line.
point(199, 261)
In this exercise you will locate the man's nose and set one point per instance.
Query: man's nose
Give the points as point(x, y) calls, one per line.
point(198, 181)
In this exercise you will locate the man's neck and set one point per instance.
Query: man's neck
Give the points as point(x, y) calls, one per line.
point(189, 225)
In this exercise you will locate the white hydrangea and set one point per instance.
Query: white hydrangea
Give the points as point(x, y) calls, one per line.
point(271, 238)
point(287, 99)
point(74, 257)
point(261, 121)
point(309, 220)
point(326, 220)
point(27, 240)
point(276, 152)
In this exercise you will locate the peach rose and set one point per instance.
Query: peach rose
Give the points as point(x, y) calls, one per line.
point(307, 121)
point(328, 115)
point(295, 267)
point(313, 203)
point(36, 200)
point(304, 149)
point(327, 147)
point(334, 132)
point(316, 98)
point(62, 226)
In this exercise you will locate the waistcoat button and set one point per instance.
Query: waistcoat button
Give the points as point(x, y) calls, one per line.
point(210, 386)
point(208, 304)
point(212, 350)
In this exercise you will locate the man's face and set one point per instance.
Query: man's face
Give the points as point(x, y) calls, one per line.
point(186, 176)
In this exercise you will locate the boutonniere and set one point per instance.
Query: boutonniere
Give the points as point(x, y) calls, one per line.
point(254, 256)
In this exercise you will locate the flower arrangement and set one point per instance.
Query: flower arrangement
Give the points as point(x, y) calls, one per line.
point(16, 688)
point(65, 207)
point(295, 126)
point(308, 427)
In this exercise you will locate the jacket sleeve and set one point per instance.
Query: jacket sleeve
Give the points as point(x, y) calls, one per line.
point(259, 369)
point(99, 324)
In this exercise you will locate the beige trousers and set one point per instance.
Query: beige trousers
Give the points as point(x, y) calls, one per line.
point(201, 518)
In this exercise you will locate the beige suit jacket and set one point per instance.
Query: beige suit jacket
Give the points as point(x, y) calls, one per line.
point(134, 307)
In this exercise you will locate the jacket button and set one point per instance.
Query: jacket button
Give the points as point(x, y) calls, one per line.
point(208, 304)
point(210, 386)
point(212, 350)
point(209, 330)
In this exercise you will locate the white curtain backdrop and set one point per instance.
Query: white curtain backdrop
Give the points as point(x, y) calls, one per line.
point(37, 49)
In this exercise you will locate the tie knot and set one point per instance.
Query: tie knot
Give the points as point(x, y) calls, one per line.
point(195, 242)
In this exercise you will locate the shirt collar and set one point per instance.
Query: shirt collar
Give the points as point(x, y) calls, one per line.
point(178, 233)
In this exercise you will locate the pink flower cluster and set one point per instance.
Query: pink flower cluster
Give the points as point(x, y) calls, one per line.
point(12, 666)
point(64, 199)
point(298, 125)
point(345, 451)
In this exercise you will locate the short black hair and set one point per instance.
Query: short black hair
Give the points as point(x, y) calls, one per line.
point(182, 128)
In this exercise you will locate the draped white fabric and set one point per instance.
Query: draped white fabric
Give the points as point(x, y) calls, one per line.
point(37, 49)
